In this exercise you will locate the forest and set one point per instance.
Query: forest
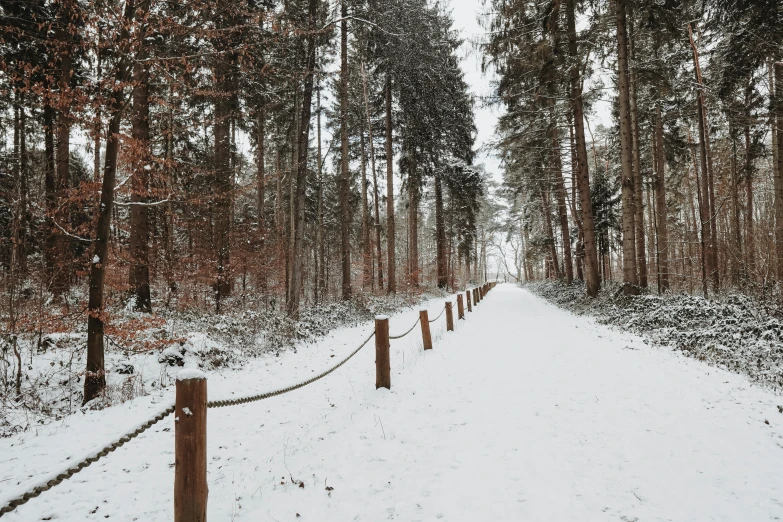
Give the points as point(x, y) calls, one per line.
point(184, 159)
point(223, 179)
point(640, 142)
point(391, 259)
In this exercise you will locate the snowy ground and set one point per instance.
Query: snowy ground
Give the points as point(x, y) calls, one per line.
point(526, 412)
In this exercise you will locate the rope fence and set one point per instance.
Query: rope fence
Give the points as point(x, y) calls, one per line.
point(190, 428)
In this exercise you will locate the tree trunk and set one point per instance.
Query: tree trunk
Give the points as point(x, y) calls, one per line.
point(414, 189)
point(94, 375)
point(320, 286)
point(550, 235)
point(735, 210)
point(626, 155)
point(592, 281)
point(366, 241)
point(300, 168)
point(561, 203)
point(440, 232)
point(221, 184)
point(50, 190)
point(641, 255)
point(707, 198)
point(376, 203)
point(139, 273)
point(749, 239)
point(61, 277)
point(261, 194)
point(345, 204)
point(392, 284)
point(660, 204)
point(705, 229)
point(778, 125)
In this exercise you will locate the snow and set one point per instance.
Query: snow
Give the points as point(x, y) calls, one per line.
point(190, 373)
point(96, 260)
point(526, 412)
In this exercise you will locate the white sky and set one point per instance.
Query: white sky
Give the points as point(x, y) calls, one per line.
point(465, 13)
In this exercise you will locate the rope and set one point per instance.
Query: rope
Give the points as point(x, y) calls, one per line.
point(406, 333)
point(16, 502)
point(73, 470)
point(261, 396)
point(441, 313)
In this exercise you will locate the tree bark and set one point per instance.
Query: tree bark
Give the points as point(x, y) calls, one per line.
point(139, 273)
point(261, 193)
point(778, 125)
point(94, 375)
point(630, 277)
point(221, 183)
point(440, 232)
point(392, 278)
point(376, 203)
point(554, 265)
point(366, 241)
point(414, 189)
point(735, 210)
point(707, 193)
point(561, 203)
point(592, 281)
point(641, 255)
point(300, 168)
point(750, 243)
point(345, 204)
point(50, 190)
point(61, 276)
point(320, 286)
point(660, 206)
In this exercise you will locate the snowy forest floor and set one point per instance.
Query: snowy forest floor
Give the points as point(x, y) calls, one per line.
point(526, 412)
point(731, 331)
point(145, 351)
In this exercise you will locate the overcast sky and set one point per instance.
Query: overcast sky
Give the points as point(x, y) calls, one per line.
point(465, 13)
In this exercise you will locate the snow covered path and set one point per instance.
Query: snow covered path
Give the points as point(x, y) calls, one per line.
point(526, 412)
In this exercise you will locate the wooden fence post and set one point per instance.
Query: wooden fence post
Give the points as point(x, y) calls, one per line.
point(469, 300)
point(460, 307)
point(382, 362)
point(476, 297)
point(190, 447)
point(426, 338)
point(449, 318)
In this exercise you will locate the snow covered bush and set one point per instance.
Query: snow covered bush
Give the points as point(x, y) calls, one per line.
point(735, 332)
